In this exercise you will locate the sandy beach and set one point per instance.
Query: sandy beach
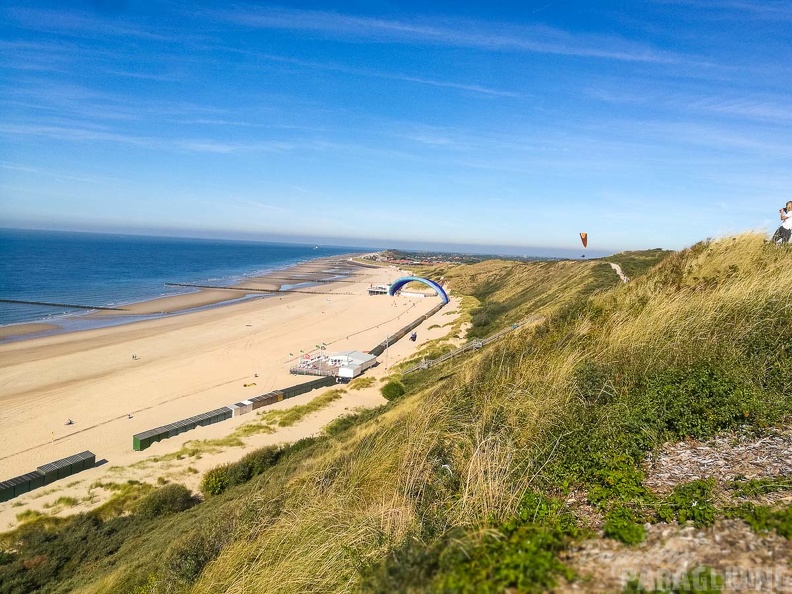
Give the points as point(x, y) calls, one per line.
point(184, 365)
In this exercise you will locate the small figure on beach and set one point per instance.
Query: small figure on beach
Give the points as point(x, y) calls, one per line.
point(784, 232)
point(134, 357)
point(129, 416)
point(70, 422)
point(414, 336)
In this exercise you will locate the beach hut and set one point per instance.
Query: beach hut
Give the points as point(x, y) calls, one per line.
point(141, 441)
point(67, 466)
point(19, 485)
point(242, 408)
point(6, 490)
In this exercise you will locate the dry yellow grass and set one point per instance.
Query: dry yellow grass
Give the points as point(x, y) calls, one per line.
point(383, 482)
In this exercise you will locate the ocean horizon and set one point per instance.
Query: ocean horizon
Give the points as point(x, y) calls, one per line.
point(113, 270)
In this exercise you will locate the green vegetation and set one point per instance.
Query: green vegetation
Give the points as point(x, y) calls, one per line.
point(29, 515)
point(124, 498)
point(198, 447)
point(764, 518)
point(255, 428)
point(392, 390)
point(439, 346)
point(221, 478)
point(754, 487)
point(689, 501)
point(634, 264)
point(507, 292)
point(517, 554)
point(53, 555)
point(346, 422)
point(622, 523)
point(187, 556)
point(167, 500)
point(616, 479)
point(459, 482)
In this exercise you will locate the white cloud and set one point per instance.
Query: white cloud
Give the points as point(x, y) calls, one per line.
point(458, 32)
point(757, 9)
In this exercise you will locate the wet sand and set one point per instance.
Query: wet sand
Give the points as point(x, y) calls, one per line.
point(25, 329)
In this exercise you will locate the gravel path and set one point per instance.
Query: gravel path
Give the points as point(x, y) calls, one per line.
point(618, 270)
point(745, 560)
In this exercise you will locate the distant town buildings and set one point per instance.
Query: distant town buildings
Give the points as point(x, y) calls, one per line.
point(400, 258)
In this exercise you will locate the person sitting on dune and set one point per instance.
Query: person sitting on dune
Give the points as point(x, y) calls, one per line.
point(784, 232)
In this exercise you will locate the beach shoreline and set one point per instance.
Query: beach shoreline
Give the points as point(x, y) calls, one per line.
point(259, 285)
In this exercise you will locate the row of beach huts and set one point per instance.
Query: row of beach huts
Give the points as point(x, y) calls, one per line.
point(48, 473)
point(141, 441)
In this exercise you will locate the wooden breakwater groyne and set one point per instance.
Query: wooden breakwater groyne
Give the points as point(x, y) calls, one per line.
point(252, 290)
point(292, 280)
point(67, 305)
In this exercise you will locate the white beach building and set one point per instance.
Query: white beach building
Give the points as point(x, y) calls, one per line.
point(378, 289)
point(351, 364)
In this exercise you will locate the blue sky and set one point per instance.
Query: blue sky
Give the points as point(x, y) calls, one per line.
point(646, 124)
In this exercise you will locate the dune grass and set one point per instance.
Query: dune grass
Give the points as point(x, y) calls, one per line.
point(361, 383)
point(61, 502)
point(29, 515)
point(575, 402)
point(291, 416)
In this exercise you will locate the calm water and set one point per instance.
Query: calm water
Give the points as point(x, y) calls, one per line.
point(109, 270)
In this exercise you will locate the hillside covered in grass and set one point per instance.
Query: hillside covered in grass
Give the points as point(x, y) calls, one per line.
point(503, 292)
point(493, 471)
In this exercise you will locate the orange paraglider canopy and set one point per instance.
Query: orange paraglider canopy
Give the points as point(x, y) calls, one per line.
point(584, 239)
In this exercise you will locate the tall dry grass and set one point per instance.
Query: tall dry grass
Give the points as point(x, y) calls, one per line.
point(714, 297)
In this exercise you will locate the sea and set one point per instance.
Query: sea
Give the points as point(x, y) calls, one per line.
point(111, 270)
